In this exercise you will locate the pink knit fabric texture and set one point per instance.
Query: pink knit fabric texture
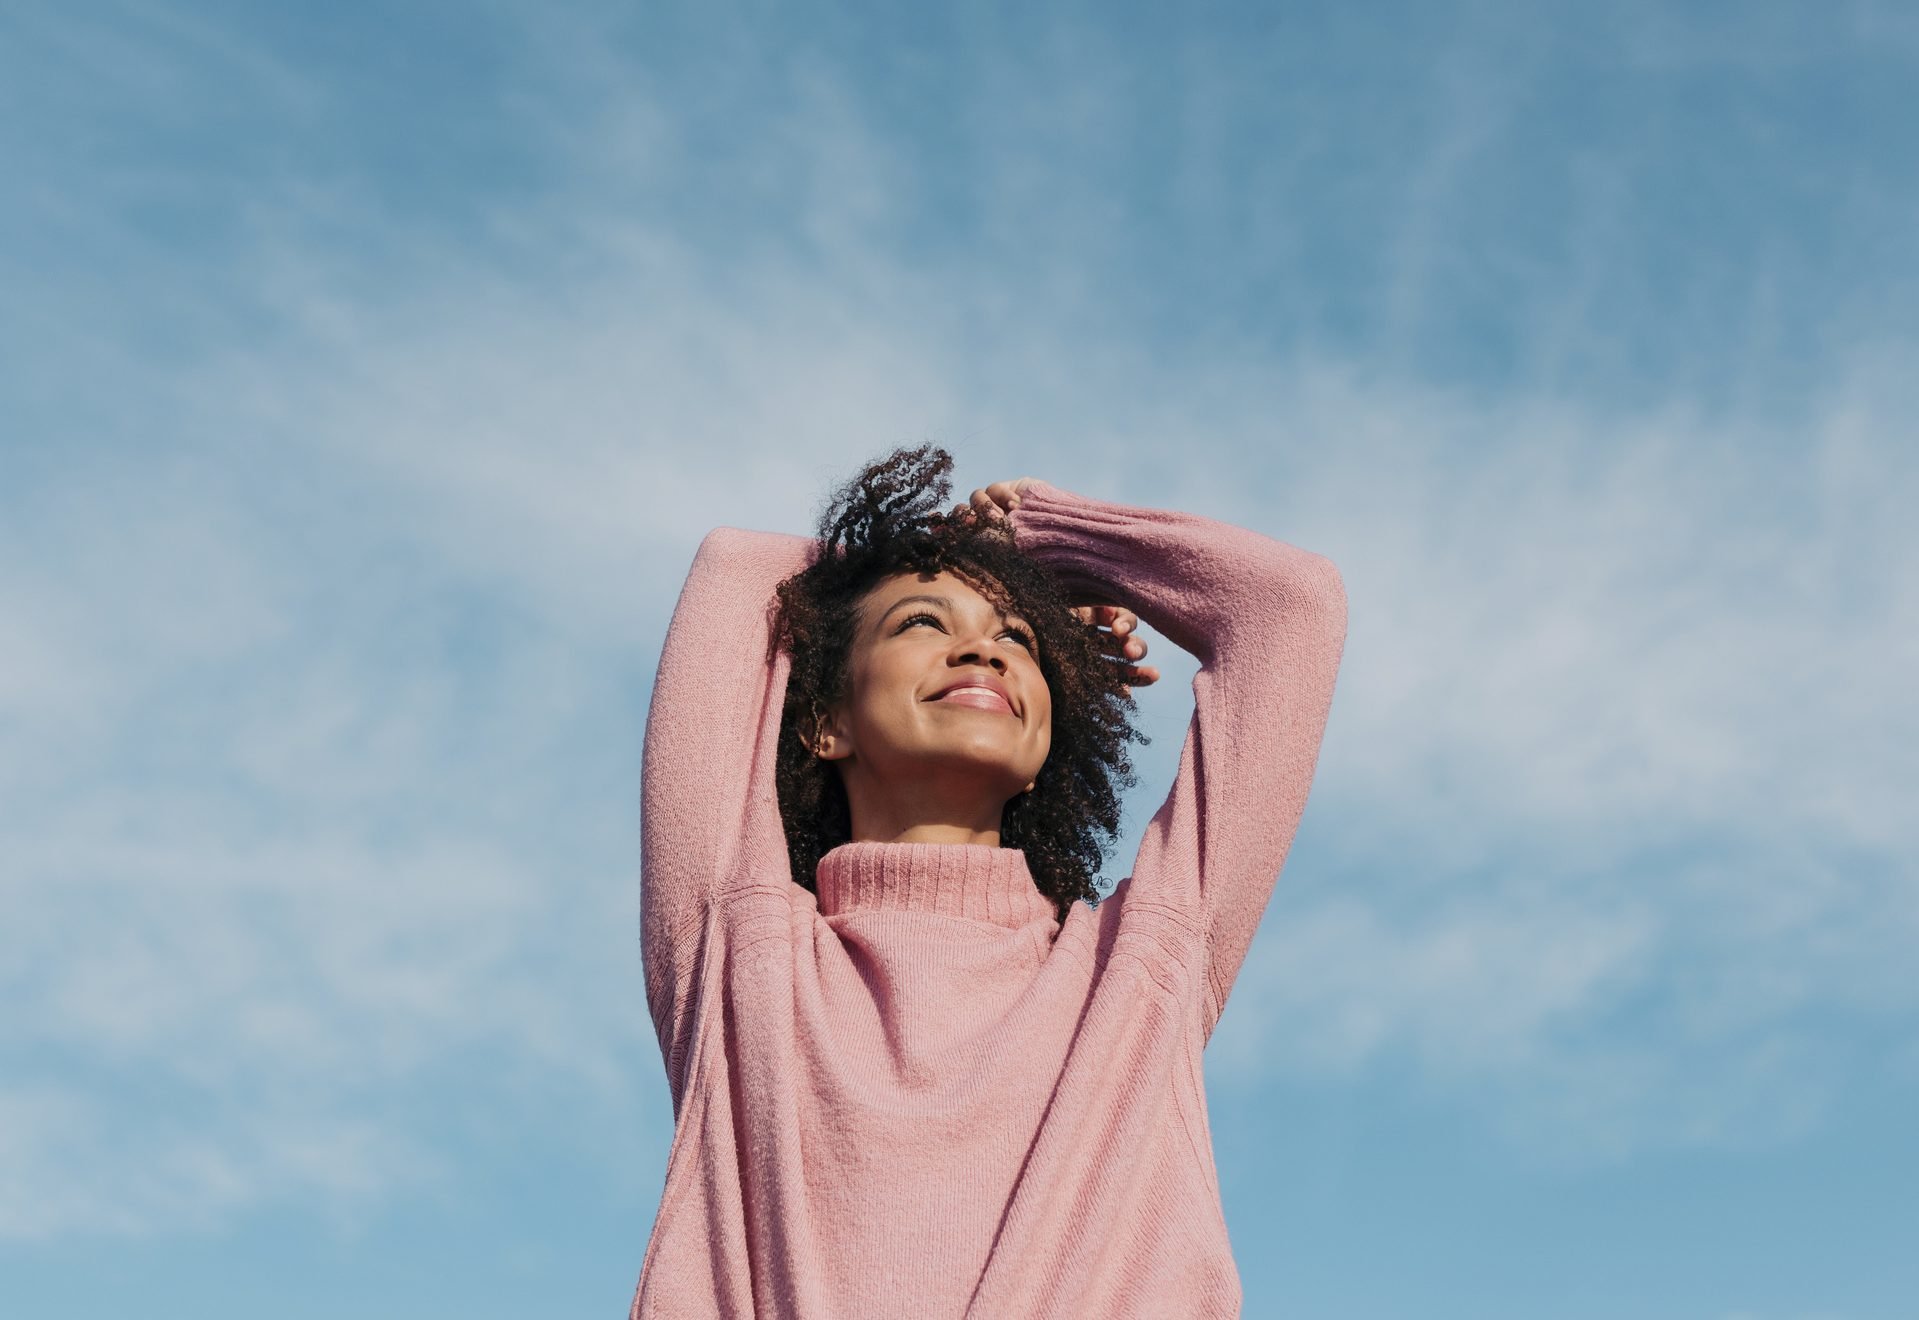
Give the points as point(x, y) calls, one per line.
point(918, 1093)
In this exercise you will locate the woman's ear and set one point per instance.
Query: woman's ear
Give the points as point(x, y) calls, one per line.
point(829, 741)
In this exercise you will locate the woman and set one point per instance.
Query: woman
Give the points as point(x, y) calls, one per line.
point(915, 1070)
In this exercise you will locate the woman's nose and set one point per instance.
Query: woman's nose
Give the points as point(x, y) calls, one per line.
point(975, 652)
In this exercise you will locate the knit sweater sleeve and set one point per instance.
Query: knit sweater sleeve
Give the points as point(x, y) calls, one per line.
point(1267, 622)
point(709, 808)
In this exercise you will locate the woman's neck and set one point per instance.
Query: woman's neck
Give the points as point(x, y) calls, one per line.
point(922, 812)
point(926, 832)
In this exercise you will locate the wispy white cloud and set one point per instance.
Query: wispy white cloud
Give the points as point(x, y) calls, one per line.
point(79, 1163)
point(1615, 777)
point(322, 707)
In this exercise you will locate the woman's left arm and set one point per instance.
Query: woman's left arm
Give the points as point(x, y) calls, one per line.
point(1267, 622)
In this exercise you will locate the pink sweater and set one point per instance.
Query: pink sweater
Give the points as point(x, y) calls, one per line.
point(918, 1093)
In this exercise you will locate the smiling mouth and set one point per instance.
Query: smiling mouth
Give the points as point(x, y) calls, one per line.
point(979, 698)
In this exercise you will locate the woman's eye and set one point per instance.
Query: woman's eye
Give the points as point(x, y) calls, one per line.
point(1019, 635)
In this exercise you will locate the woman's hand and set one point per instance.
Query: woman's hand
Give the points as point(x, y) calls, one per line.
point(992, 503)
point(1117, 625)
point(1117, 638)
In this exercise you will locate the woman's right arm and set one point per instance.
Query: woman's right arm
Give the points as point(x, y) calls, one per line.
point(709, 807)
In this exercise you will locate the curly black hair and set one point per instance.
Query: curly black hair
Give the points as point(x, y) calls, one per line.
point(891, 519)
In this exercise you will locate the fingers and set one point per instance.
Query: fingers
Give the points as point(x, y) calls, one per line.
point(1118, 624)
point(1007, 493)
point(981, 512)
point(994, 502)
point(1117, 627)
point(1117, 617)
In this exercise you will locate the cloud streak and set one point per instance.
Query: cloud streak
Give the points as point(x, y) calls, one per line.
point(321, 697)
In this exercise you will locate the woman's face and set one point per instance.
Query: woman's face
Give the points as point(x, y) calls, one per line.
point(942, 687)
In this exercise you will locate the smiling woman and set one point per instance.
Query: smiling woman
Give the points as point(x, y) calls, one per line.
point(926, 666)
point(915, 1068)
point(904, 604)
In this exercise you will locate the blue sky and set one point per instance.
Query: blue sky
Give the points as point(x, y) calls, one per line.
point(369, 374)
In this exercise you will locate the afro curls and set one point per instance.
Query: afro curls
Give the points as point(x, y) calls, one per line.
point(889, 520)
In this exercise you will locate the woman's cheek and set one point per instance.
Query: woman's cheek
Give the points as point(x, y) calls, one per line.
point(1044, 724)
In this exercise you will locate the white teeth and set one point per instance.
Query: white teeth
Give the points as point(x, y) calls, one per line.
point(953, 692)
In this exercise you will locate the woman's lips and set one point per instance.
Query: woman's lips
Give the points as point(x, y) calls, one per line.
point(981, 698)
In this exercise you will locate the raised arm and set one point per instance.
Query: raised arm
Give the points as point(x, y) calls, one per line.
point(708, 806)
point(1267, 622)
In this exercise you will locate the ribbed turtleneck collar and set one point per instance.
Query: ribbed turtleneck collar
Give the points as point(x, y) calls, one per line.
point(954, 879)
